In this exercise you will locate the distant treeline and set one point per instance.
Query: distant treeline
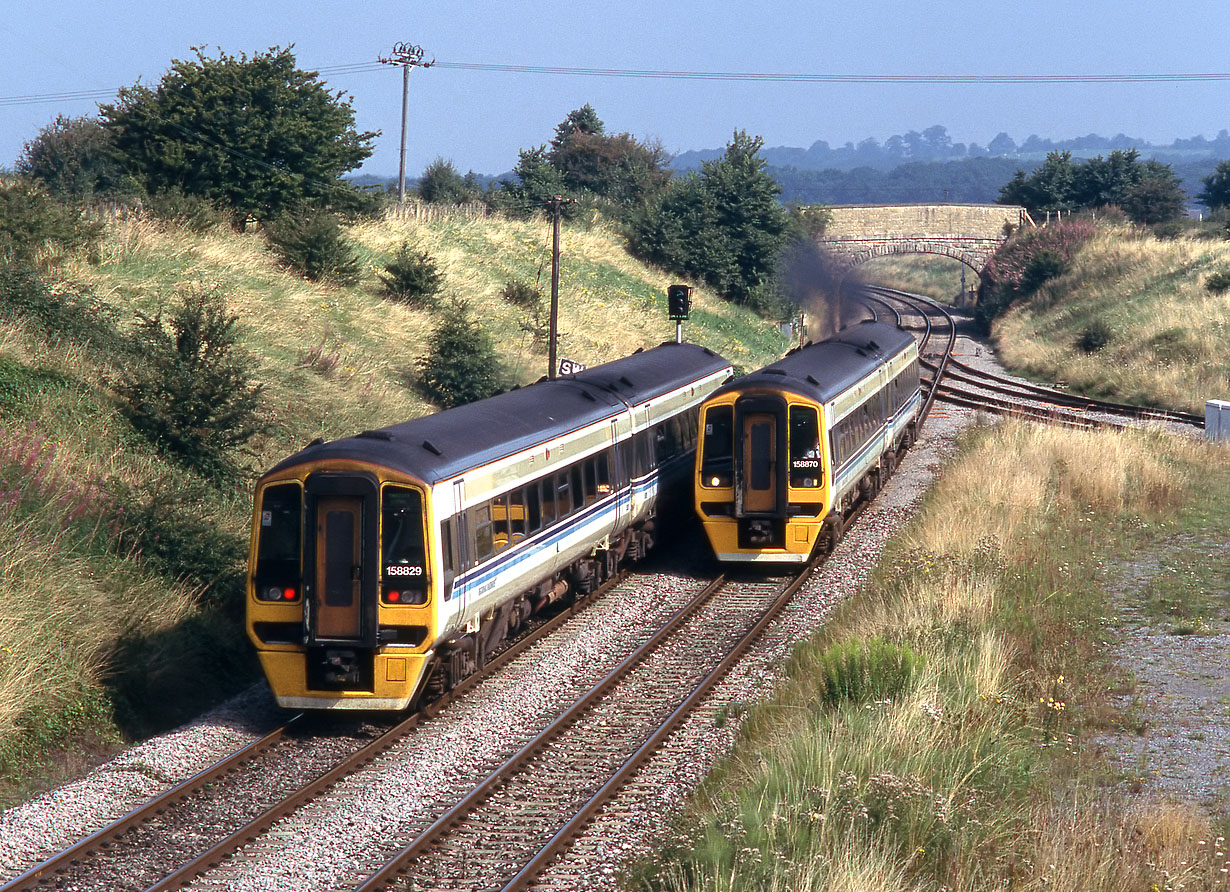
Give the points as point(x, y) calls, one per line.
point(934, 144)
point(973, 181)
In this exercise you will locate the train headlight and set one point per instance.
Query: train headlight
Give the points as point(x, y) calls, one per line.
point(277, 593)
point(715, 481)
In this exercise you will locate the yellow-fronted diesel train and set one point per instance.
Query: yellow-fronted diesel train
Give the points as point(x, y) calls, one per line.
point(786, 451)
point(392, 563)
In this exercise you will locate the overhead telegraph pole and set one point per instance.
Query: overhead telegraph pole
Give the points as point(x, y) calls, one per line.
point(407, 55)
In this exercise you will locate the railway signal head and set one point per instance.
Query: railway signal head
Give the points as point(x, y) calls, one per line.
point(678, 301)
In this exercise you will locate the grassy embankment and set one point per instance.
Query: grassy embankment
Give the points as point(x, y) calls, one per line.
point(938, 733)
point(99, 642)
point(1162, 331)
point(1165, 331)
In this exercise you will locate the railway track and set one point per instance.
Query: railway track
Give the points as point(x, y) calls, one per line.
point(959, 383)
point(511, 824)
point(528, 810)
point(542, 786)
point(167, 841)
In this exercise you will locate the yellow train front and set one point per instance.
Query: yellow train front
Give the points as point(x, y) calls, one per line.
point(786, 451)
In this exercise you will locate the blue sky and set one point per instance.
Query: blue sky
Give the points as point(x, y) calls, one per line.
point(480, 120)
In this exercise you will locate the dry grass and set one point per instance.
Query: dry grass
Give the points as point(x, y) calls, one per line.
point(976, 777)
point(1167, 331)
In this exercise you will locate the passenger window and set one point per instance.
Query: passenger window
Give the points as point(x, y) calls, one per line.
point(563, 495)
point(480, 521)
point(499, 522)
point(533, 508)
point(591, 480)
point(516, 515)
point(603, 462)
point(578, 491)
point(547, 485)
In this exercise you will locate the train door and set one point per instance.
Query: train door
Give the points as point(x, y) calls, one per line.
point(341, 562)
point(339, 567)
point(759, 462)
point(464, 545)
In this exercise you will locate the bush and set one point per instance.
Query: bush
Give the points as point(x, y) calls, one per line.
point(521, 295)
point(1218, 282)
point(74, 314)
point(412, 277)
point(1041, 268)
point(1025, 262)
point(191, 212)
point(1095, 336)
point(313, 244)
point(193, 397)
point(462, 366)
point(34, 225)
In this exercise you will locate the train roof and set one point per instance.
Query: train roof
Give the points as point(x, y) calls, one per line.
point(440, 446)
point(821, 371)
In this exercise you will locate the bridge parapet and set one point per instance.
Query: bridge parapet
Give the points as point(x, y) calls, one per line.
point(966, 232)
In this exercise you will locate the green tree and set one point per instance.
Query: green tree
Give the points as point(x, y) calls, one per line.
point(194, 396)
point(76, 159)
point(314, 243)
point(537, 181)
point(1158, 197)
point(722, 224)
point(258, 135)
point(462, 366)
point(1048, 188)
point(1216, 192)
point(1149, 192)
point(442, 184)
point(412, 276)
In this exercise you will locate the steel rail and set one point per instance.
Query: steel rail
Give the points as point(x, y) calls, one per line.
point(564, 837)
point(223, 849)
point(396, 866)
point(43, 872)
point(1002, 383)
point(957, 397)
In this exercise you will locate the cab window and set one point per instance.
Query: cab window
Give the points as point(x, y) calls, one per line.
point(403, 553)
point(717, 447)
point(278, 540)
point(806, 468)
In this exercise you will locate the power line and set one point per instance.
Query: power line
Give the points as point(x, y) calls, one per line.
point(736, 76)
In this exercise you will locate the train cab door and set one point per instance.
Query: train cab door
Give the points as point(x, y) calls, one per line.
point(760, 459)
point(759, 462)
point(343, 575)
point(339, 567)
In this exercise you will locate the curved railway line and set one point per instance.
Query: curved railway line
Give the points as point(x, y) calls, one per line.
point(962, 384)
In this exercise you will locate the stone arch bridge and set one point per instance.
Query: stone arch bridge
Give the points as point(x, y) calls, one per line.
point(969, 233)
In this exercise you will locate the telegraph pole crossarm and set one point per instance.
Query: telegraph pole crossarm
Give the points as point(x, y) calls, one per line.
point(407, 55)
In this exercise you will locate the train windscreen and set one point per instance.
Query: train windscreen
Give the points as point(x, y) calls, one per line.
point(717, 447)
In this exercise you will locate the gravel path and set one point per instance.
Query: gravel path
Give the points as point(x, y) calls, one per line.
point(1182, 691)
